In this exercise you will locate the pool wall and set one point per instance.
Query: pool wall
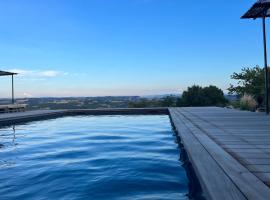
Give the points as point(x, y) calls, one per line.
point(195, 190)
point(28, 116)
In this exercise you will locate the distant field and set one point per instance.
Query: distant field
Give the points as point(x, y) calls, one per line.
point(74, 102)
point(100, 102)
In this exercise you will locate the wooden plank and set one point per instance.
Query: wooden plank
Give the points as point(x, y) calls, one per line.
point(253, 150)
point(256, 189)
point(216, 185)
point(264, 176)
point(259, 168)
point(239, 146)
point(250, 155)
point(255, 161)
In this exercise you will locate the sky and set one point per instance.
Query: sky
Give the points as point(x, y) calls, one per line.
point(124, 47)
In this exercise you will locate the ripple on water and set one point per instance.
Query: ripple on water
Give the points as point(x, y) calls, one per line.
point(89, 157)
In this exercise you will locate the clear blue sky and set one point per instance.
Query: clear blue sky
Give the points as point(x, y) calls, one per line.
point(124, 47)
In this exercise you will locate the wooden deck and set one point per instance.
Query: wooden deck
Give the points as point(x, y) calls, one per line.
point(229, 150)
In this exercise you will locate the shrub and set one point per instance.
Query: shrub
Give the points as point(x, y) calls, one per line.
point(248, 102)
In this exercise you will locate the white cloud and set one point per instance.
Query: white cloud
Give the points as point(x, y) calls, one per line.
point(38, 73)
point(49, 73)
point(27, 95)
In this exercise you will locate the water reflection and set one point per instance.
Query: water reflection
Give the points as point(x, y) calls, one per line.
point(8, 144)
point(14, 134)
point(8, 138)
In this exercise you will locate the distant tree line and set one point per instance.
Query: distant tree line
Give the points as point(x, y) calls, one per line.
point(202, 96)
point(193, 96)
point(249, 88)
point(169, 101)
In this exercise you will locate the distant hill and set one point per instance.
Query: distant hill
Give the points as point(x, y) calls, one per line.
point(74, 102)
point(231, 97)
point(90, 102)
point(159, 96)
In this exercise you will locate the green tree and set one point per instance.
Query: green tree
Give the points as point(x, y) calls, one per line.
point(249, 81)
point(168, 101)
point(198, 96)
point(213, 96)
point(145, 103)
point(193, 96)
point(142, 103)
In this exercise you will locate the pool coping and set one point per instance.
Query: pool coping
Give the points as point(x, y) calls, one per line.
point(7, 119)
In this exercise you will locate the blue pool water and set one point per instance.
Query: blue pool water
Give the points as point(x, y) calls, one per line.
point(92, 157)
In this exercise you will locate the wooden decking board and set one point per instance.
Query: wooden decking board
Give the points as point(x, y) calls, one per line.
point(244, 150)
point(249, 132)
point(250, 155)
point(203, 162)
point(233, 163)
point(255, 161)
point(259, 168)
point(240, 146)
point(247, 136)
point(255, 143)
point(244, 143)
point(263, 176)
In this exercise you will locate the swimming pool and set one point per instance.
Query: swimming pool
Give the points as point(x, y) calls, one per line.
point(92, 157)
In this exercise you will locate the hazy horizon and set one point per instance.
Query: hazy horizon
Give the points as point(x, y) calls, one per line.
point(124, 48)
point(150, 95)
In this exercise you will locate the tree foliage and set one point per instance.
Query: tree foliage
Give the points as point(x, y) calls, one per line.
point(168, 101)
point(144, 103)
point(249, 81)
point(194, 96)
point(199, 96)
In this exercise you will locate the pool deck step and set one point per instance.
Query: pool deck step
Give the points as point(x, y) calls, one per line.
point(228, 149)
